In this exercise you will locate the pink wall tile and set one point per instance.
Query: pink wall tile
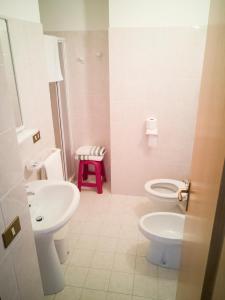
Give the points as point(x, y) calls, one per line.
point(88, 88)
point(153, 72)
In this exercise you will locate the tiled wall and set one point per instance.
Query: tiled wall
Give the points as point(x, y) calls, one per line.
point(30, 67)
point(153, 72)
point(19, 275)
point(88, 89)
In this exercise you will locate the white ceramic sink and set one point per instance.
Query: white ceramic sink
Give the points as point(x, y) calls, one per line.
point(52, 204)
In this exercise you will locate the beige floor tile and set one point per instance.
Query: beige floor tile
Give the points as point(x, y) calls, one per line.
point(93, 295)
point(103, 260)
point(145, 286)
point(97, 279)
point(91, 228)
point(81, 257)
point(167, 284)
point(96, 217)
point(87, 242)
point(106, 244)
point(144, 267)
point(116, 296)
point(142, 247)
point(126, 246)
point(69, 293)
point(111, 220)
point(169, 274)
point(73, 241)
point(108, 230)
point(130, 218)
point(76, 276)
point(141, 298)
point(121, 282)
point(49, 297)
point(75, 227)
point(167, 289)
point(106, 227)
point(129, 232)
point(124, 263)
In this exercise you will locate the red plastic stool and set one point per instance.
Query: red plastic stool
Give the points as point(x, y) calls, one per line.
point(99, 172)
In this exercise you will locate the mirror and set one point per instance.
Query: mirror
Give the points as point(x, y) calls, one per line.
point(6, 62)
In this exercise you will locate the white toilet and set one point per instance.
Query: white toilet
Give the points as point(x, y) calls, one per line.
point(163, 194)
point(164, 229)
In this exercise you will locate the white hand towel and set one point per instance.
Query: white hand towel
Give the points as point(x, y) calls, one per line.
point(53, 166)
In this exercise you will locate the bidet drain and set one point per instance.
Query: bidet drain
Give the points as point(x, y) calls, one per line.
point(39, 219)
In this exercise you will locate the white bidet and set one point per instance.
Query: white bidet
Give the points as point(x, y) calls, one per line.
point(164, 230)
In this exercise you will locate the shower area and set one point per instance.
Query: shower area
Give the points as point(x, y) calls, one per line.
point(59, 100)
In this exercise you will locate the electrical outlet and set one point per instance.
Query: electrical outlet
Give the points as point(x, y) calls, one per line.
point(11, 232)
point(36, 137)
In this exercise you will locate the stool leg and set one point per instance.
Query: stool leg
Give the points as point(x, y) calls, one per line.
point(80, 175)
point(103, 171)
point(85, 172)
point(98, 172)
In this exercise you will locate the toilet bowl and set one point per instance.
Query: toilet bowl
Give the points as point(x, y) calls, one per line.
point(164, 230)
point(163, 194)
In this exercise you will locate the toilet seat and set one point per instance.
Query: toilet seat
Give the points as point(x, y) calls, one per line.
point(164, 188)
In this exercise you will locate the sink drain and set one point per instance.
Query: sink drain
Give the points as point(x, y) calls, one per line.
point(39, 219)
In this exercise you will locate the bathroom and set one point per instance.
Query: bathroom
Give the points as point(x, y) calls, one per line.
point(122, 63)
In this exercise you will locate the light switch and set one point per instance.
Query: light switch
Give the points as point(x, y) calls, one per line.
point(11, 232)
point(36, 137)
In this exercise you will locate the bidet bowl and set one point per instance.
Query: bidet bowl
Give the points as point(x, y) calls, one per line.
point(52, 204)
point(164, 230)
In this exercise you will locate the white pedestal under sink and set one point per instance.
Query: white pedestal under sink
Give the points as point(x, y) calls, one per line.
point(52, 204)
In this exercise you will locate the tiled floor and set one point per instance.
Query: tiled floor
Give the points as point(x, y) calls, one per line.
point(107, 260)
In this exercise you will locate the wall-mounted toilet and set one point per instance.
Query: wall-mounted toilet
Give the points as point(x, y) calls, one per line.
point(163, 229)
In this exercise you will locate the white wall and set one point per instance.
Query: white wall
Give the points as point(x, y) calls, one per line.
point(63, 15)
point(145, 13)
point(30, 67)
point(20, 9)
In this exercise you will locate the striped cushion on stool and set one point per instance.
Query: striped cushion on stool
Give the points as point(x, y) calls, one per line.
point(90, 153)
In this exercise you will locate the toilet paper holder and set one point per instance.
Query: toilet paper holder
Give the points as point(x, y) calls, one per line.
point(151, 126)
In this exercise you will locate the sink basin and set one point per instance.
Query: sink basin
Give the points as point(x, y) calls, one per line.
point(52, 204)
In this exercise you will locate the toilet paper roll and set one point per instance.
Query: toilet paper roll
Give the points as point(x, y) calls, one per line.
point(151, 126)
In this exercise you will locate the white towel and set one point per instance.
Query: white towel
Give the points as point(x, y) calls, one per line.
point(90, 153)
point(53, 166)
